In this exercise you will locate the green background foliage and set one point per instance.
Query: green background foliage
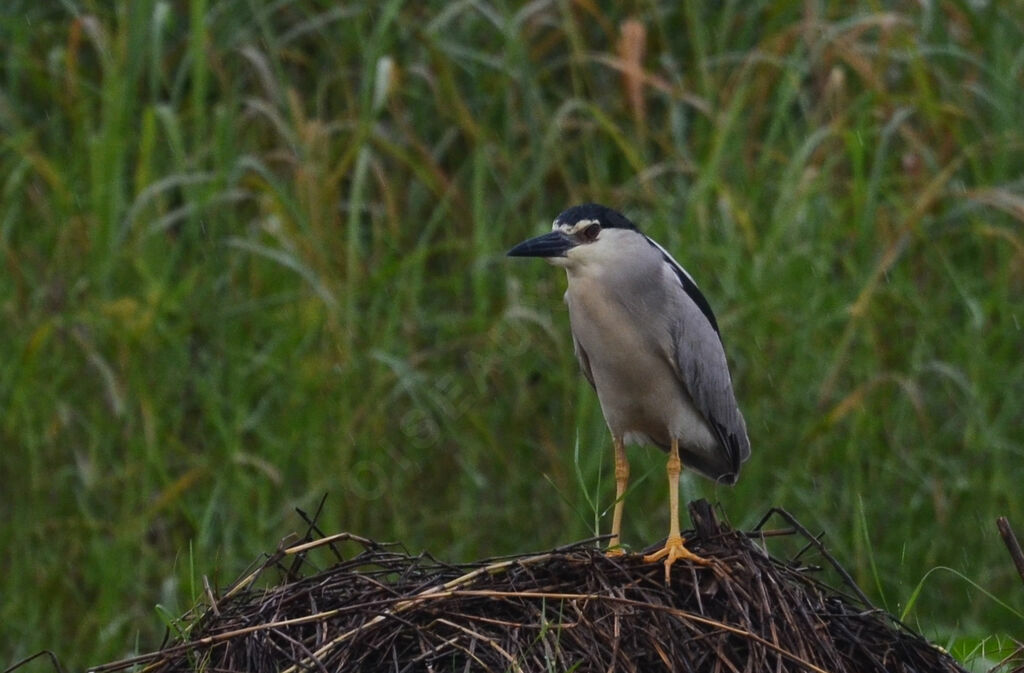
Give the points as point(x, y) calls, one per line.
point(253, 252)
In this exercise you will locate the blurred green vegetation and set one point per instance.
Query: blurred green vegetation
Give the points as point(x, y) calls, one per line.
point(253, 253)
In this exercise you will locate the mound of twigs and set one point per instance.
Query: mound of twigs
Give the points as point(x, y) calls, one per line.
point(570, 609)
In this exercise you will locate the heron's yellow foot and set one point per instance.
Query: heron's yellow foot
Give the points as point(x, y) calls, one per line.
point(615, 551)
point(673, 551)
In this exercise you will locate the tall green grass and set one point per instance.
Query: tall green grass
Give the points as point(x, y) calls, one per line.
point(253, 253)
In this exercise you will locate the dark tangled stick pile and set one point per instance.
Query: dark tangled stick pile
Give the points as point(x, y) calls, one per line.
point(572, 609)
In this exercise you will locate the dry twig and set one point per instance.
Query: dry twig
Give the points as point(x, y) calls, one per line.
point(569, 609)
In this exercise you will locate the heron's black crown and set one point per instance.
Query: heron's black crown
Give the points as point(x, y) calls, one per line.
point(603, 215)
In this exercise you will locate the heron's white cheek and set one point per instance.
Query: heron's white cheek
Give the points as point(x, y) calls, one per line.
point(592, 259)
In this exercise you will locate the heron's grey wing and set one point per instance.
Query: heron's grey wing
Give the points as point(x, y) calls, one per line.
point(702, 368)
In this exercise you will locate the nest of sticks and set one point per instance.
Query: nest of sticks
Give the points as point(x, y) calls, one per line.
point(570, 609)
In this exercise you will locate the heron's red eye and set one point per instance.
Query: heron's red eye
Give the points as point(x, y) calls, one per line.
point(590, 233)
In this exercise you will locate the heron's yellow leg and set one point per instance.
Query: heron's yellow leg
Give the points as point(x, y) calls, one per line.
point(674, 549)
point(621, 480)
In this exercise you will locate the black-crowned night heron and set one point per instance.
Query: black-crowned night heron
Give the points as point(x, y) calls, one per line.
point(649, 344)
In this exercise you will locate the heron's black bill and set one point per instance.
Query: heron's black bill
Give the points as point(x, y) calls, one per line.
point(554, 244)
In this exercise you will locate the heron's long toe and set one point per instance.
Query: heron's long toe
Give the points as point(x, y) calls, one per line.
point(674, 550)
